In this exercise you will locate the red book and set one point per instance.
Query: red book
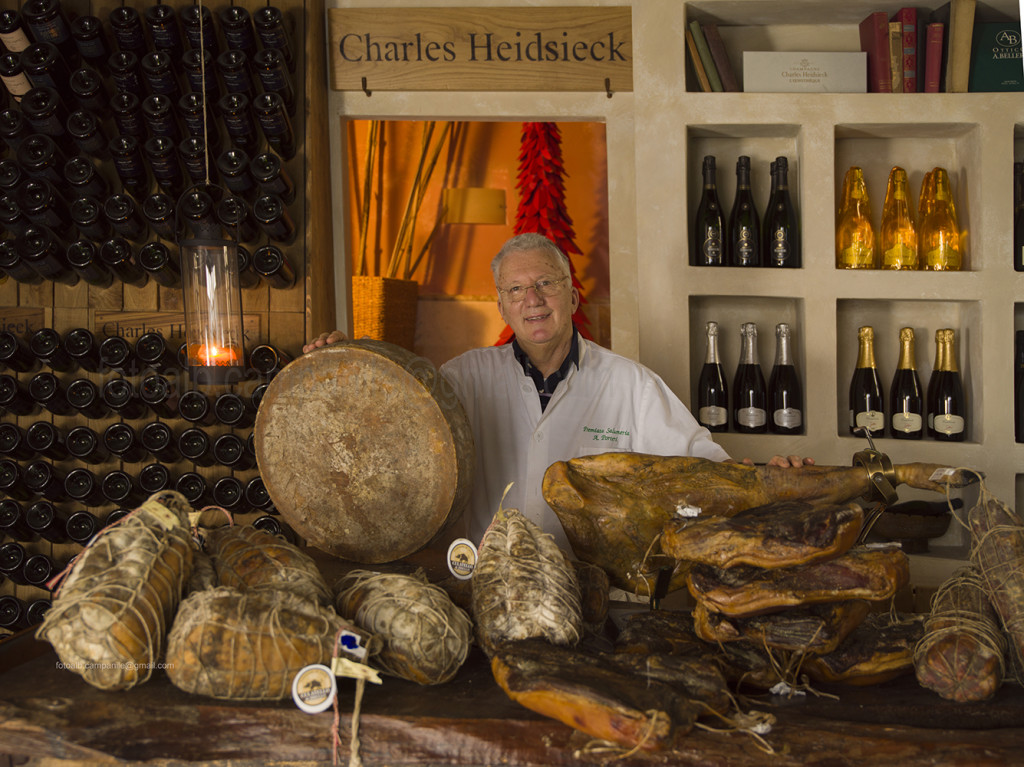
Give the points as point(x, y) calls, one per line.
point(874, 41)
point(933, 57)
point(908, 18)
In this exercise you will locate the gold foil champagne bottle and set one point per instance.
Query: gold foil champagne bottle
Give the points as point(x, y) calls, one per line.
point(906, 405)
point(855, 237)
point(898, 234)
point(938, 233)
point(947, 410)
point(867, 411)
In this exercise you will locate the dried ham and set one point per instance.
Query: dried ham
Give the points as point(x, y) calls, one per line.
point(629, 700)
point(781, 534)
point(813, 629)
point(862, 573)
point(878, 650)
point(614, 506)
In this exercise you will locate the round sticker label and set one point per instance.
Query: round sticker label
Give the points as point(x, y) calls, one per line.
point(314, 688)
point(462, 557)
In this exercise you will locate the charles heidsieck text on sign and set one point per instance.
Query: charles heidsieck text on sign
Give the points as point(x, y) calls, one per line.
point(493, 49)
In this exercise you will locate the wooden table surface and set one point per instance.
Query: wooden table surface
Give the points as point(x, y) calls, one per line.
point(50, 713)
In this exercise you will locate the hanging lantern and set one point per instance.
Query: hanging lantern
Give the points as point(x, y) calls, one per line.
point(212, 293)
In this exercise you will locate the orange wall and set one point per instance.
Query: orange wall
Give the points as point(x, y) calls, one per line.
point(476, 154)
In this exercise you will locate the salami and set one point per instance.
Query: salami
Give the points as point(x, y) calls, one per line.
point(110, 617)
point(524, 586)
point(248, 645)
point(997, 551)
point(248, 558)
point(961, 655)
point(425, 637)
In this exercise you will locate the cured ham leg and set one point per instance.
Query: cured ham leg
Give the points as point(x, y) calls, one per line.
point(861, 573)
point(613, 506)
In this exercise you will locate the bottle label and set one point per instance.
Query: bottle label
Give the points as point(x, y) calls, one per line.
point(857, 256)
point(872, 420)
point(746, 254)
point(906, 422)
point(947, 423)
point(751, 417)
point(943, 258)
point(788, 418)
point(780, 247)
point(17, 85)
point(712, 250)
point(900, 256)
point(712, 416)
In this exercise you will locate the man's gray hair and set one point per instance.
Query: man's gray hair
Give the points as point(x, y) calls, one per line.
point(530, 241)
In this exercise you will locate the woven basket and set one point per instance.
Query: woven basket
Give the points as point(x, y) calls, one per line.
point(384, 309)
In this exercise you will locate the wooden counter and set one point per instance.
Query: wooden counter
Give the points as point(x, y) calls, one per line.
point(50, 713)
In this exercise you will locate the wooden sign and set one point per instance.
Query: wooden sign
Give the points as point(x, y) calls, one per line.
point(21, 321)
point(171, 325)
point(481, 49)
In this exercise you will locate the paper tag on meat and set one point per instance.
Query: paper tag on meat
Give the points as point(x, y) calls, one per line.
point(939, 474)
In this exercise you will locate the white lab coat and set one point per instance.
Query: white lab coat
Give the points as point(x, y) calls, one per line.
point(610, 403)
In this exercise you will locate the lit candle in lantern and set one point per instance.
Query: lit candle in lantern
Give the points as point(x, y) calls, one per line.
point(212, 354)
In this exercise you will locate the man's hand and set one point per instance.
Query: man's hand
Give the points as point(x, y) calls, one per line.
point(790, 461)
point(323, 339)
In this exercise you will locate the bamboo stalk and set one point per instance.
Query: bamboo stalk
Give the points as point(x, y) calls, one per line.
point(428, 240)
point(422, 193)
point(392, 270)
point(364, 217)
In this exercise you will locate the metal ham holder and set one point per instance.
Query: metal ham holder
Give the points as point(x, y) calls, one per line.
point(883, 481)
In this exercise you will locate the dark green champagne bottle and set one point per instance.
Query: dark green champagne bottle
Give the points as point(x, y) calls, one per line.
point(781, 232)
point(744, 242)
point(709, 224)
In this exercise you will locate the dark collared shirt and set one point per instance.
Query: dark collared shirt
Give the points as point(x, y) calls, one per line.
point(546, 386)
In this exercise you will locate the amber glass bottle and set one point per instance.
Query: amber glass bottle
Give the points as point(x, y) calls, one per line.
point(855, 237)
point(898, 233)
point(939, 232)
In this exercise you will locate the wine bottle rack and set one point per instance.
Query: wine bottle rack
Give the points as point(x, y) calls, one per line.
point(276, 309)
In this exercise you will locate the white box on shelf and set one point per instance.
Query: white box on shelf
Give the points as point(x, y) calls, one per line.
point(805, 72)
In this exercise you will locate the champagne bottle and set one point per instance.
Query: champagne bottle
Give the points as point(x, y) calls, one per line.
point(947, 412)
point(1018, 386)
point(709, 223)
point(898, 234)
point(744, 243)
point(749, 396)
point(906, 406)
point(785, 394)
point(939, 239)
point(1018, 216)
point(712, 392)
point(855, 237)
point(866, 396)
point(781, 236)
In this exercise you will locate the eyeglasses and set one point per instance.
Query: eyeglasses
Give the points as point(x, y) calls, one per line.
point(544, 288)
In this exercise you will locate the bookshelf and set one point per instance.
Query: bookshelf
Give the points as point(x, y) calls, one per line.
point(976, 136)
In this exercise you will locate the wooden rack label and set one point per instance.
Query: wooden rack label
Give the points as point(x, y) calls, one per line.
point(21, 322)
point(171, 325)
point(486, 49)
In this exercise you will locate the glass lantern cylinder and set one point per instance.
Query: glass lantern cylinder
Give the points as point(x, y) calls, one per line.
point(214, 340)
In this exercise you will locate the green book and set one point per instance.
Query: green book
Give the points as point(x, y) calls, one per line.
point(705, 56)
point(996, 63)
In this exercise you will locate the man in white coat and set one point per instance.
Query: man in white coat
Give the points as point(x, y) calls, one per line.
point(552, 395)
